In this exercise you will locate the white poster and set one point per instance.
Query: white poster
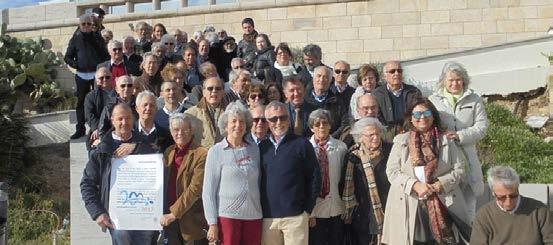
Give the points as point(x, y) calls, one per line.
point(136, 192)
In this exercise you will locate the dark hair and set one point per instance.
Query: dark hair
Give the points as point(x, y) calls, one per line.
point(270, 75)
point(428, 104)
point(162, 26)
point(99, 11)
point(278, 88)
point(364, 71)
point(248, 20)
point(284, 47)
point(291, 79)
point(267, 41)
point(258, 88)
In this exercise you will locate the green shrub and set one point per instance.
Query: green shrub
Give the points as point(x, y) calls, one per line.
point(510, 142)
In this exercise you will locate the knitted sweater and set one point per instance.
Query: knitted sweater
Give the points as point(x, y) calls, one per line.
point(231, 183)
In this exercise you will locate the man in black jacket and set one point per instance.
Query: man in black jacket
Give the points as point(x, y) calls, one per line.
point(124, 87)
point(95, 102)
point(246, 46)
point(85, 51)
point(312, 58)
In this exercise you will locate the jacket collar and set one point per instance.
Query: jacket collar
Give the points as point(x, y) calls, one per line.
point(331, 143)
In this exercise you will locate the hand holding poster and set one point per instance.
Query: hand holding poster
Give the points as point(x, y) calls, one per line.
point(136, 192)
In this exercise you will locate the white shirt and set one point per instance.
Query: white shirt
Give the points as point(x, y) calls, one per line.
point(141, 129)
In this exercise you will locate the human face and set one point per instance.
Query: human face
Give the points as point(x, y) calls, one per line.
point(279, 127)
point(260, 43)
point(273, 94)
point(505, 197)
point(260, 125)
point(147, 108)
point(371, 138)
point(368, 82)
point(242, 83)
point(213, 91)
point(142, 33)
point(107, 37)
point(454, 83)
point(321, 129)
point(229, 46)
point(211, 71)
point(182, 134)
point(169, 93)
point(190, 58)
point(159, 52)
point(86, 26)
point(150, 66)
point(247, 28)
point(294, 93)
point(394, 74)
point(170, 46)
point(282, 57)
point(311, 61)
point(122, 121)
point(236, 127)
point(255, 98)
point(203, 47)
point(125, 89)
point(321, 81)
point(178, 78)
point(158, 32)
point(128, 46)
point(237, 65)
point(367, 107)
point(179, 36)
point(116, 53)
point(103, 79)
point(341, 77)
point(424, 123)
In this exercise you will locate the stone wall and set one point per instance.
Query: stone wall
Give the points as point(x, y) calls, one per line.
point(356, 31)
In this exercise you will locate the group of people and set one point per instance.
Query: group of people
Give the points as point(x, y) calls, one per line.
point(260, 150)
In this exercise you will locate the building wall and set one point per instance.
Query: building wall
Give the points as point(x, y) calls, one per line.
point(356, 31)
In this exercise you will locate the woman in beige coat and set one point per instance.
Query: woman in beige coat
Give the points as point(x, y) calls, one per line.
point(424, 171)
point(463, 113)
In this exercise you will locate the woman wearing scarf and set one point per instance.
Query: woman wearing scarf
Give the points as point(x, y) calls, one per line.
point(424, 170)
point(325, 223)
point(463, 113)
point(284, 61)
point(365, 184)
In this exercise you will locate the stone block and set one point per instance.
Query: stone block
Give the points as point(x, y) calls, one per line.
point(493, 39)
point(59, 11)
point(511, 37)
point(438, 51)
point(464, 15)
point(356, 58)
point(357, 8)
point(195, 20)
point(504, 3)
point(347, 46)
point(263, 26)
point(178, 22)
point(447, 29)
point(392, 31)
point(258, 14)
point(439, 42)
point(317, 35)
point(383, 56)
point(495, 14)
point(537, 25)
point(378, 45)
point(361, 20)
point(308, 23)
point(412, 54)
point(277, 13)
point(446, 4)
point(234, 17)
point(51, 32)
point(381, 19)
point(478, 4)
point(301, 11)
point(275, 37)
point(480, 27)
point(296, 36)
point(282, 25)
point(535, 2)
point(406, 18)
point(438, 16)
point(545, 12)
point(525, 12)
point(417, 30)
point(383, 6)
point(510, 26)
point(327, 46)
point(465, 41)
point(343, 34)
point(334, 9)
point(337, 22)
point(214, 18)
point(408, 43)
point(412, 5)
point(370, 32)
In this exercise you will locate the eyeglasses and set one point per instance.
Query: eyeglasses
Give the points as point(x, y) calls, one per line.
point(321, 123)
point(277, 118)
point(259, 119)
point(211, 89)
point(392, 71)
point(104, 78)
point(254, 96)
point(419, 114)
point(345, 72)
point(117, 49)
point(126, 85)
point(168, 43)
point(505, 197)
point(86, 23)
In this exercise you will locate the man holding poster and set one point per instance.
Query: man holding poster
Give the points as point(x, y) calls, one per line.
point(97, 180)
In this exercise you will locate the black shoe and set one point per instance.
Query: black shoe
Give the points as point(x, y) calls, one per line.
point(77, 135)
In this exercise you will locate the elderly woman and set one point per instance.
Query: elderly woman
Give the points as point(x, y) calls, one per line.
point(367, 78)
point(143, 33)
point(424, 170)
point(325, 222)
point(265, 55)
point(150, 79)
point(462, 112)
point(231, 183)
point(183, 219)
point(208, 111)
point(256, 96)
point(365, 185)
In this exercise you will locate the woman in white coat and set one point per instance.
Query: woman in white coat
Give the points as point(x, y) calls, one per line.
point(462, 112)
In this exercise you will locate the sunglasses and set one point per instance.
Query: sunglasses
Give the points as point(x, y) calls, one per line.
point(345, 72)
point(168, 43)
point(259, 119)
point(277, 118)
point(505, 197)
point(211, 89)
point(392, 71)
point(104, 78)
point(86, 24)
point(117, 49)
point(254, 96)
point(420, 114)
point(126, 85)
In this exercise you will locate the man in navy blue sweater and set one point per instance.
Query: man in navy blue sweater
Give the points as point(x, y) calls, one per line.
point(290, 181)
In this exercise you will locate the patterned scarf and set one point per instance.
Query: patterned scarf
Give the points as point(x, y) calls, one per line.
point(423, 150)
point(323, 165)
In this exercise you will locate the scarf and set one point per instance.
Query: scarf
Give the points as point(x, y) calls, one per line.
point(452, 98)
point(322, 156)
point(288, 70)
point(423, 150)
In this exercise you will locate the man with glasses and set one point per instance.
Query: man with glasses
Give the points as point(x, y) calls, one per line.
point(511, 218)
point(239, 85)
point(260, 126)
point(85, 51)
point(170, 56)
point(340, 87)
point(118, 64)
point(395, 97)
point(290, 181)
point(181, 38)
point(95, 102)
point(124, 86)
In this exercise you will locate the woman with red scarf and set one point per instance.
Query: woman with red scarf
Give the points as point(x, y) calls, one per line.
point(424, 169)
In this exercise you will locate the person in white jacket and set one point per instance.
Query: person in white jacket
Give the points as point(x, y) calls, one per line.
point(462, 112)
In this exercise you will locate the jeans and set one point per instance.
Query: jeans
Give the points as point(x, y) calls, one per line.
point(126, 237)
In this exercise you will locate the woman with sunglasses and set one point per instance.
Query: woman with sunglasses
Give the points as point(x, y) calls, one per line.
point(231, 182)
point(425, 201)
point(462, 112)
point(256, 96)
point(325, 222)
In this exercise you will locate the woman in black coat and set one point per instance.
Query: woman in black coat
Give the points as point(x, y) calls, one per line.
point(265, 55)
